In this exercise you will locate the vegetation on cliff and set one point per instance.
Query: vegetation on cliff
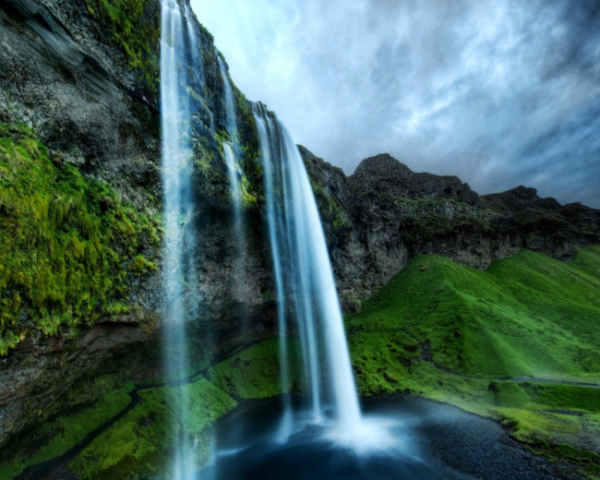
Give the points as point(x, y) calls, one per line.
point(138, 440)
point(70, 248)
point(494, 343)
point(134, 26)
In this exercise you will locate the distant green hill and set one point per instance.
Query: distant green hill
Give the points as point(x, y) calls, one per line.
point(512, 343)
point(528, 315)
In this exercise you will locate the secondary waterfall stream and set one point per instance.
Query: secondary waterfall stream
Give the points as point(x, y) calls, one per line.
point(230, 150)
point(229, 145)
point(178, 44)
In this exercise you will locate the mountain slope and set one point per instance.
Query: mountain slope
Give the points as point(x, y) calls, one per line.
point(527, 315)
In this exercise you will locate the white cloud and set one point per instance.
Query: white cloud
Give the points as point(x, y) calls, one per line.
point(459, 87)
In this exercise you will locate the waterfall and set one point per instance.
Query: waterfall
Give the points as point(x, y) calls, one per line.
point(304, 280)
point(178, 202)
point(228, 147)
point(196, 63)
point(264, 126)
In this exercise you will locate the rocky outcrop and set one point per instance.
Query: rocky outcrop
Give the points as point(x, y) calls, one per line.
point(546, 225)
point(389, 214)
point(383, 173)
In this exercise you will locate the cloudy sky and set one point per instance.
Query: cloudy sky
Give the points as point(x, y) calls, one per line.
point(498, 92)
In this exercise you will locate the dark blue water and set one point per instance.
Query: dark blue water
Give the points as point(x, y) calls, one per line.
point(247, 448)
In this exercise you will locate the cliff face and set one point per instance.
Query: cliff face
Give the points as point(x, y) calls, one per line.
point(80, 210)
point(385, 214)
point(80, 205)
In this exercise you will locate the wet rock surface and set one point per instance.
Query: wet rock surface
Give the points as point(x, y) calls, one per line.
point(482, 448)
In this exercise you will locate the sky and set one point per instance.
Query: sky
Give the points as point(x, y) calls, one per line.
point(500, 93)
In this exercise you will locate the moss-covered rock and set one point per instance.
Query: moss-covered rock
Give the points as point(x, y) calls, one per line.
point(70, 248)
point(141, 442)
point(54, 438)
point(134, 27)
point(136, 440)
point(255, 372)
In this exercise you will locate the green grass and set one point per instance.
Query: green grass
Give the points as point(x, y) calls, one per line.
point(69, 247)
point(508, 394)
point(457, 335)
point(254, 373)
point(528, 315)
point(563, 396)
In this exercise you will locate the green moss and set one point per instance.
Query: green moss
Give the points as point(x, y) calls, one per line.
point(250, 161)
point(573, 453)
point(329, 208)
point(55, 438)
point(254, 372)
point(69, 248)
point(142, 267)
point(205, 404)
point(508, 394)
point(140, 443)
point(133, 25)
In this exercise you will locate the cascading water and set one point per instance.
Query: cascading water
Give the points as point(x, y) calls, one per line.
point(228, 147)
point(305, 282)
point(274, 237)
point(177, 40)
point(303, 274)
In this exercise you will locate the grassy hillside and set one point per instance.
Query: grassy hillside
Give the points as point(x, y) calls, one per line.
point(486, 340)
point(528, 315)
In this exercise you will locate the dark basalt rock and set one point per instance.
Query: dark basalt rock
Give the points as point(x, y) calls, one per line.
point(385, 174)
point(545, 224)
point(393, 214)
